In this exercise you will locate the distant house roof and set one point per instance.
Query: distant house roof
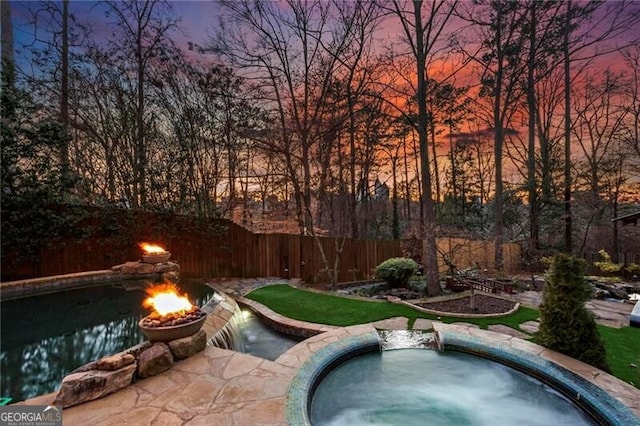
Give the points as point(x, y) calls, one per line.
point(628, 219)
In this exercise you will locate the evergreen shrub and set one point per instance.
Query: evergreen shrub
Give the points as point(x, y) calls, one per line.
point(633, 268)
point(396, 271)
point(566, 326)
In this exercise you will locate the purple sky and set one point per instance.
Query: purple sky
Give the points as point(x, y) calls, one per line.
point(198, 18)
point(198, 22)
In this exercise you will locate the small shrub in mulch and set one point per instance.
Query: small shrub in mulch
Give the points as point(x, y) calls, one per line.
point(396, 271)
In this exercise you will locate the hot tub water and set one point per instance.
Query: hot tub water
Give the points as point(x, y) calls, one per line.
point(421, 386)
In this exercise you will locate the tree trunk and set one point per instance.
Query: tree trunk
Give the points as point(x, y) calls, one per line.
point(498, 142)
point(436, 173)
point(406, 179)
point(64, 89)
point(140, 144)
point(430, 258)
point(531, 153)
point(395, 222)
point(568, 237)
point(454, 171)
point(353, 199)
point(472, 298)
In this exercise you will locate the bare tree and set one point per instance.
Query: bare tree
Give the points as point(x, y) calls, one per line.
point(611, 21)
point(600, 117)
point(500, 26)
point(282, 56)
point(599, 127)
point(292, 53)
point(566, 59)
point(144, 34)
point(8, 61)
point(64, 83)
point(208, 114)
point(542, 44)
point(358, 63)
point(424, 37)
point(104, 117)
point(631, 90)
point(53, 33)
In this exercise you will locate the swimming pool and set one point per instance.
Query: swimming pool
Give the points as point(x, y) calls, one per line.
point(45, 337)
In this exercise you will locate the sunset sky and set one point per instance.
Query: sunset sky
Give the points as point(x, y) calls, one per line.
point(199, 21)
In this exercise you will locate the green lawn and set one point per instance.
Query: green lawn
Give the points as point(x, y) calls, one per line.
point(623, 345)
point(623, 350)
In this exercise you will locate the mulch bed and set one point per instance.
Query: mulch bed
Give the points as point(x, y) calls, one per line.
point(484, 304)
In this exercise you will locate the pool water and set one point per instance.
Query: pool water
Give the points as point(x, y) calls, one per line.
point(421, 386)
point(45, 337)
point(262, 341)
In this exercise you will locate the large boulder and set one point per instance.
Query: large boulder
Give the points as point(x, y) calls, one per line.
point(154, 360)
point(610, 290)
point(188, 346)
point(88, 385)
point(143, 268)
point(115, 362)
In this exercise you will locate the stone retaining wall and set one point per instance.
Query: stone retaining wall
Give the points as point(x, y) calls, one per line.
point(126, 272)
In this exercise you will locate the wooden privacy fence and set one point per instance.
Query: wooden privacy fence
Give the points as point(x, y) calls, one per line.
point(470, 254)
point(202, 247)
point(220, 248)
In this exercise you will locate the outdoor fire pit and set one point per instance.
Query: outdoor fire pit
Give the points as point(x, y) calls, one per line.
point(152, 253)
point(173, 315)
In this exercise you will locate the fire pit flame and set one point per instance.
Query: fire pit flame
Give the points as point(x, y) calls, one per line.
point(173, 315)
point(152, 253)
point(151, 248)
point(166, 299)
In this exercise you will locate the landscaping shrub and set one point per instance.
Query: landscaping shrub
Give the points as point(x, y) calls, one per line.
point(566, 326)
point(396, 271)
point(633, 268)
point(607, 265)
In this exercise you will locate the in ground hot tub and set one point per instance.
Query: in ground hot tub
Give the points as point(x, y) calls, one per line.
point(468, 380)
point(421, 386)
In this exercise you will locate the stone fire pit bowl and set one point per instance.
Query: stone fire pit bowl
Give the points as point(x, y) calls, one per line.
point(156, 257)
point(169, 333)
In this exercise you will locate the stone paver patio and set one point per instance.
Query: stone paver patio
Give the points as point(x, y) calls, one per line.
point(605, 312)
